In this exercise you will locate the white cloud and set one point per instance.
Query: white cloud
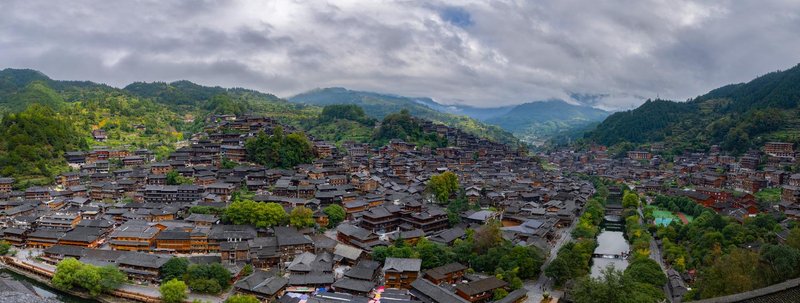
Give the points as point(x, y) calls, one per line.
point(481, 53)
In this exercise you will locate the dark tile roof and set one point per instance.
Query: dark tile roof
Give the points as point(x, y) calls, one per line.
point(311, 279)
point(364, 270)
point(476, 287)
point(143, 260)
point(354, 285)
point(262, 282)
point(82, 234)
point(402, 264)
point(429, 293)
point(441, 271)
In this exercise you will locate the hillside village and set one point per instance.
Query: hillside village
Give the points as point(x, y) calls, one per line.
point(117, 207)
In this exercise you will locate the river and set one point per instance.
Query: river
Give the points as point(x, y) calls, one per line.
point(610, 242)
point(46, 291)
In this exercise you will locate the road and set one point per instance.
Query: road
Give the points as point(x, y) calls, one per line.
point(655, 254)
point(543, 283)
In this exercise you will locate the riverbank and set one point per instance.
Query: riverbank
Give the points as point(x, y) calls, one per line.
point(43, 276)
point(126, 293)
point(46, 286)
point(39, 289)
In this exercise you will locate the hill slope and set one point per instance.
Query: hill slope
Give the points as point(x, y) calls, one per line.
point(545, 120)
point(737, 117)
point(380, 105)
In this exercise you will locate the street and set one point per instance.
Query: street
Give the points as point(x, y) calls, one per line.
point(543, 284)
point(655, 253)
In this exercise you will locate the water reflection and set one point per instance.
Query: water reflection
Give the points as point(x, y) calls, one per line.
point(611, 247)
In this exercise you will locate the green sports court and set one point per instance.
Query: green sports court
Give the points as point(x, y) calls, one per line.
point(665, 217)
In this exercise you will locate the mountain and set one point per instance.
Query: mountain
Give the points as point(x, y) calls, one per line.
point(737, 117)
point(540, 121)
point(480, 113)
point(378, 106)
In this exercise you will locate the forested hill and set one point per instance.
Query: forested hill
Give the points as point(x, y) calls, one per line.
point(547, 120)
point(42, 118)
point(737, 117)
point(380, 105)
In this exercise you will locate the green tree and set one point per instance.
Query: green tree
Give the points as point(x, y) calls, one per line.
point(259, 214)
point(88, 278)
point(351, 112)
point(732, 273)
point(111, 277)
point(226, 163)
point(646, 270)
point(630, 200)
point(793, 239)
point(613, 286)
point(174, 178)
point(207, 278)
point(71, 273)
point(301, 217)
point(404, 127)
point(4, 247)
point(204, 285)
point(778, 263)
point(206, 210)
point(528, 261)
point(247, 270)
point(432, 254)
point(279, 149)
point(499, 294)
point(336, 214)
point(175, 268)
point(173, 291)
point(487, 236)
point(572, 261)
point(64, 277)
point(242, 299)
point(443, 186)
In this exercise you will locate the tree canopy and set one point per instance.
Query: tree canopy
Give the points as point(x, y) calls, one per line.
point(259, 214)
point(242, 299)
point(336, 214)
point(614, 286)
point(173, 291)
point(301, 217)
point(404, 127)
point(443, 186)
point(207, 278)
point(71, 273)
point(279, 149)
point(175, 268)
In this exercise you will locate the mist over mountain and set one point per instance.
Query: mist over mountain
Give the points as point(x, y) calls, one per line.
point(532, 122)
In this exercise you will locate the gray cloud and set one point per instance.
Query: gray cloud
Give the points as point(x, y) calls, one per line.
point(482, 53)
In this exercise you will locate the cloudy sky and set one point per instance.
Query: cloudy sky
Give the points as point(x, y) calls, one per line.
point(482, 53)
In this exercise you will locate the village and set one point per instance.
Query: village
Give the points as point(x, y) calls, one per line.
point(757, 184)
point(118, 207)
point(717, 181)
